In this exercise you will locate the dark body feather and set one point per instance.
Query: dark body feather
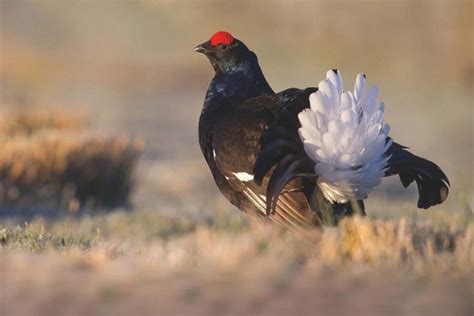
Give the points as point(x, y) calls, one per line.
point(230, 130)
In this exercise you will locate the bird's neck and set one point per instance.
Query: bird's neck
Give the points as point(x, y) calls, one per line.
point(239, 82)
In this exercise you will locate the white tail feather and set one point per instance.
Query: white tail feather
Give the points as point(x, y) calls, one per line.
point(345, 135)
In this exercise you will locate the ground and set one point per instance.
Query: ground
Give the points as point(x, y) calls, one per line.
point(143, 263)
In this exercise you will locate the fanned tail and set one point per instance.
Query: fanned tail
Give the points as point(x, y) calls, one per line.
point(344, 133)
point(337, 145)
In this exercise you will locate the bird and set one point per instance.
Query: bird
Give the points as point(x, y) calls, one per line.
point(301, 158)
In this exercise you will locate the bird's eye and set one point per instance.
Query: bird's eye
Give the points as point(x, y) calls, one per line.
point(222, 46)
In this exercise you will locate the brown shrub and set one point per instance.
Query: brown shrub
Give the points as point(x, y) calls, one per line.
point(27, 121)
point(46, 163)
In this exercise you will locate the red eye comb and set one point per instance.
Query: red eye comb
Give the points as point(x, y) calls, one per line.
point(221, 37)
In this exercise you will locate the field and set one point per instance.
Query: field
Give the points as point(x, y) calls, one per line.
point(107, 207)
point(141, 262)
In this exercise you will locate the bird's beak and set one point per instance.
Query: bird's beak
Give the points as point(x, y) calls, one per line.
point(203, 48)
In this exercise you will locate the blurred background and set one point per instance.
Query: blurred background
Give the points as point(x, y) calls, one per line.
point(99, 100)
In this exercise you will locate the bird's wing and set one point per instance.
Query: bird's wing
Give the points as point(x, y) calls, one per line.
point(236, 143)
point(282, 158)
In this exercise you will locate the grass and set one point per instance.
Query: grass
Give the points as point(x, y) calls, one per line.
point(230, 241)
point(35, 119)
point(141, 261)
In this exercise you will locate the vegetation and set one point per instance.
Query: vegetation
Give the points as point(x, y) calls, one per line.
point(141, 258)
point(48, 159)
point(231, 241)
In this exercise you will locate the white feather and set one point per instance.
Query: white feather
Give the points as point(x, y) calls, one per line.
point(335, 77)
point(345, 135)
point(359, 88)
point(243, 176)
point(317, 103)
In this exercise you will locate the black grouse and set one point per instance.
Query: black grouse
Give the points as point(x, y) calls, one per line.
point(301, 157)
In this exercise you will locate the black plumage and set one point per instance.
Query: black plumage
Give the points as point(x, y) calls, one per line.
point(431, 181)
point(249, 137)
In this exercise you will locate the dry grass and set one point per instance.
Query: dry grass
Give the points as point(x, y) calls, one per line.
point(229, 242)
point(31, 120)
point(143, 262)
point(48, 159)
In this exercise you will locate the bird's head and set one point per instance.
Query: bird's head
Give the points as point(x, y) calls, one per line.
point(226, 53)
